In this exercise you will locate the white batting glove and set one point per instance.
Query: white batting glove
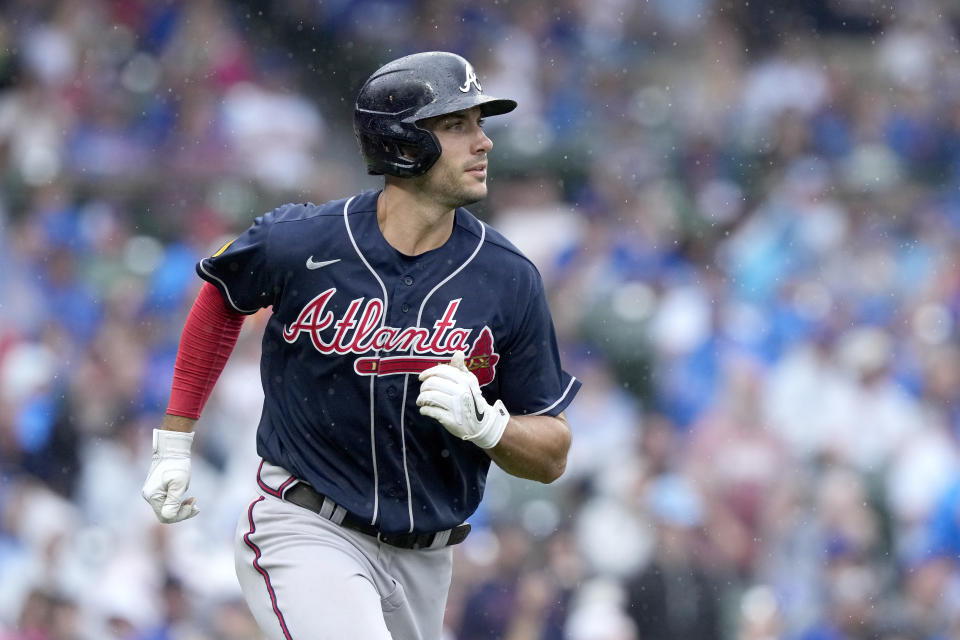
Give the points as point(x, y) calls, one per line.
point(450, 394)
point(169, 477)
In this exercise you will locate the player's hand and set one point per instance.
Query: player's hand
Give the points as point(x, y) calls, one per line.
point(450, 394)
point(169, 477)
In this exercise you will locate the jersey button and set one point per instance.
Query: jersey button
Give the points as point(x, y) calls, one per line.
point(408, 280)
point(391, 391)
point(395, 492)
point(404, 307)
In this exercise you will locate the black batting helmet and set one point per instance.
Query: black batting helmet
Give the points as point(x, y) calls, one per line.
point(405, 91)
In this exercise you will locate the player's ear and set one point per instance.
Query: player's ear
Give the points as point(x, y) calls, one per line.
point(407, 152)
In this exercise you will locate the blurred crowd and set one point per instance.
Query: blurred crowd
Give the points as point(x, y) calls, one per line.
point(747, 216)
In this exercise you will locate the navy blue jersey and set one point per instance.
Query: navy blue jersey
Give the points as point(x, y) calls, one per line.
point(354, 321)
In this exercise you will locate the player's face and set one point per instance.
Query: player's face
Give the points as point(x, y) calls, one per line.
point(459, 177)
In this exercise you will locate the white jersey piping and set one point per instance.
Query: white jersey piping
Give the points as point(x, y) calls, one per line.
point(559, 400)
point(406, 377)
point(373, 440)
point(226, 291)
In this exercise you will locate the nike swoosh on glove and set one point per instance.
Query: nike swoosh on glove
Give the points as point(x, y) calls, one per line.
point(450, 394)
point(169, 477)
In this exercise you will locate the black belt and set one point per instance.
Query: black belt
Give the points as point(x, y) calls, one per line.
point(303, 495)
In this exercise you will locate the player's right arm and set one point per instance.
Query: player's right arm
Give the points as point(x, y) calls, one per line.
point(178, 423)
point(209, 336)
point(239, 282)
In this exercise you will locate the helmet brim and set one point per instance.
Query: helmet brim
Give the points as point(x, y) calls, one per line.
point(489, 106)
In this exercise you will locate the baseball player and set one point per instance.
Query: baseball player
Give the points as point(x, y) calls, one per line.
point(410, 344)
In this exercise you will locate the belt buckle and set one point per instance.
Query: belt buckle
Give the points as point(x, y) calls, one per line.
point(380, 538)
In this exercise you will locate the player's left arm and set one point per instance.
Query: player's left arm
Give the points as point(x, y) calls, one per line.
point(530, 446)
point(533, 447)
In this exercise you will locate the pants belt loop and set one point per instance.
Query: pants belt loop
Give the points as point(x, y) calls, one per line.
point(440, 539)
point(338, 515)
point(327, 508)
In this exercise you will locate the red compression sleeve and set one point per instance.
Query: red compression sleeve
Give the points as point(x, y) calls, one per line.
point(208, 339)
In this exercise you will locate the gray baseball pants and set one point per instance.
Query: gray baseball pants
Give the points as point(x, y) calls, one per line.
point(306, 578)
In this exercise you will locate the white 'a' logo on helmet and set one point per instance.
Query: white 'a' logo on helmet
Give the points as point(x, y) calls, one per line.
point(471, 79)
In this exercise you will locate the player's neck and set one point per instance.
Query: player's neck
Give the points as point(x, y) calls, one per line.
point(411, 225)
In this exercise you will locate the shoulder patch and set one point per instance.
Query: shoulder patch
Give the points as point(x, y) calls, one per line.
point(222, 249)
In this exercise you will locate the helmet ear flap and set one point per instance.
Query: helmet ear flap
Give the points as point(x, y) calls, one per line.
point(372, 147)
point(399, 156)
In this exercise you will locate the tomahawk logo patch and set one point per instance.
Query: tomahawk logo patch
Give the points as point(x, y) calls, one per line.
point(481, 361)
